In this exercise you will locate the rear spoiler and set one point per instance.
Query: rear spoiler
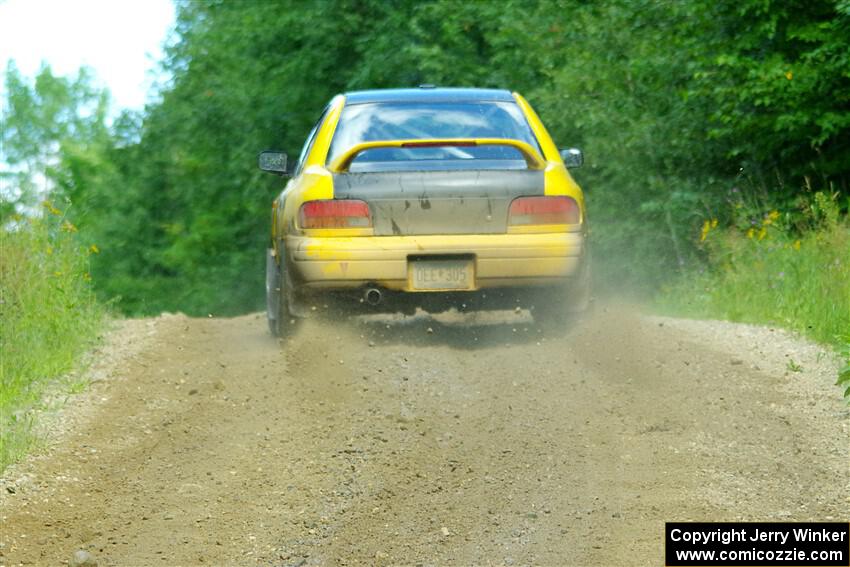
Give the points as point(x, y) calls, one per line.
point(532, 158)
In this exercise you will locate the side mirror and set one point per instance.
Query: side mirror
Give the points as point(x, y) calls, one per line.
point(273, 162)
point(572, 157)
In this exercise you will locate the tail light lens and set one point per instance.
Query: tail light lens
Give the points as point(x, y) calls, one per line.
point(342, 213)
point(544, 210)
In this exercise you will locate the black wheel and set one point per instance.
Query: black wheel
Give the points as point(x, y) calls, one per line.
point(558, 306)
point(579, 291)
point(280, 298)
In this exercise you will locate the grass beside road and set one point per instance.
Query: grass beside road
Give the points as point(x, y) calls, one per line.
point(49, 317)
point(768, 271)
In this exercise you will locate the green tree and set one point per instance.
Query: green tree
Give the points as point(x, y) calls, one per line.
point(38, 120)
point(776, 75)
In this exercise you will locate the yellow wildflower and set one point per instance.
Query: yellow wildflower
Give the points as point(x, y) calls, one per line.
point(770, 218)
point(94, 249)
point(789, 75)
point(49, 250)
point(51, 209)
point(706, 228)
point(796, 245)
point(713, 223)
point(762, 233)
point(751, 233)
point(68, 227)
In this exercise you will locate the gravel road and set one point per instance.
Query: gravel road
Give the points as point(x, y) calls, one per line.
point(422, 441)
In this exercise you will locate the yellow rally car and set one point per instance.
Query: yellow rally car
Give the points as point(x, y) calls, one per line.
point(432, 198)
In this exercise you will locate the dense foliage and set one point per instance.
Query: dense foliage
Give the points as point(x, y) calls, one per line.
point(679, 105)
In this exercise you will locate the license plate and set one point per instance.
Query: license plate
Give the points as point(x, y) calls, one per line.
point(442, 274)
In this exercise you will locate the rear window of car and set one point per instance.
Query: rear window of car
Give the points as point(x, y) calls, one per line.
point(371, 122)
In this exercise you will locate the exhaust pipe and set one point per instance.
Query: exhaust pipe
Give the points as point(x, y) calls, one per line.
point(373, 296)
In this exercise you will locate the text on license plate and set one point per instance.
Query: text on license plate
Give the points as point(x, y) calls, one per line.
point(442, 274)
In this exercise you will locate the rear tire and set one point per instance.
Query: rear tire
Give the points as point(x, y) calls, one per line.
point(280, 298)
point(566, 302)
point(579, 292)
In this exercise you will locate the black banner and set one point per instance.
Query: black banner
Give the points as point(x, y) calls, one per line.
point(760, 544)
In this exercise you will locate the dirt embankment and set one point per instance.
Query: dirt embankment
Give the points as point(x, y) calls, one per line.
point(419, 442)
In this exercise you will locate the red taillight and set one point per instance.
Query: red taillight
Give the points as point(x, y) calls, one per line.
point(342, 213)
point(544, 210)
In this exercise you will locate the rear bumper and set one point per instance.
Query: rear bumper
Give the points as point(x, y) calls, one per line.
point(501, 260)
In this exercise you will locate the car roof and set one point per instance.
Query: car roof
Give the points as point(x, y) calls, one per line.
point(428, 94)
